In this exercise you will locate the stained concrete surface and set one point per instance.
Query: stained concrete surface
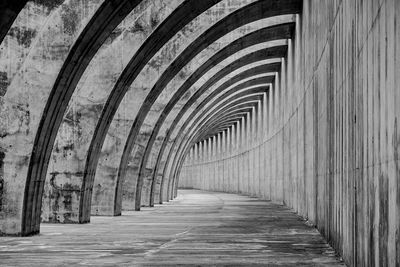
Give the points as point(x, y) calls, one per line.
point(197, 228)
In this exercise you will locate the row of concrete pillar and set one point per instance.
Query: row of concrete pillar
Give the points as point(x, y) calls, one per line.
point(233, 160)
point(108, 105)
point(329, 141)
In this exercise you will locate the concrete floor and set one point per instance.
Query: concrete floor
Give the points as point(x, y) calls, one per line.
point(197, 228)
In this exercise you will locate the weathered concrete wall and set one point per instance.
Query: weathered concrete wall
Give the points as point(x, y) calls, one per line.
point(69, 155)
point(84, 85)
point(32, 54)
point(330, 141)
point(81, 111)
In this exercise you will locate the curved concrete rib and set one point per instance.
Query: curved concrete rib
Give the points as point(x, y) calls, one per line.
point(216, 127)
point(186, 142)
point(173, 186)
point(183, 15)
point(226, 95)
point(257, 55)
point(102, 24)
point(154, 174)
point(252, 12)
point(60, 204)
point(107, 17)
point(264, 35)
point(219, 122)
point(273, 67)
point(170, 131)
point(47, 118)
point(182, 145)
point(298, 4)
point(117, 134)
point(222, 122)
point(139, 28)
point(178, 136)
point(40, 51)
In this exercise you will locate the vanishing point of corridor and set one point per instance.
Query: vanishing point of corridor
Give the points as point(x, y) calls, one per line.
point(197, 228)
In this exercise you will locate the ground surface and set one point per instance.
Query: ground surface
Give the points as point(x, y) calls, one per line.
point(199, 228)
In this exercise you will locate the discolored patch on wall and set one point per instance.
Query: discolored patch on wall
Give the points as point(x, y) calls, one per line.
point(63, 195)
point(4, 83)
point(2, 156)
point(50, 4)
point(23, 35)
point(70, 17)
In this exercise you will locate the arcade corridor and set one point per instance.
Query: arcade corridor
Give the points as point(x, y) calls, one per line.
point(289, 109)
point(199, 228)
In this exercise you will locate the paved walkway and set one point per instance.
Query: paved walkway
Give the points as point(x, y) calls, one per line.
point(198, 228)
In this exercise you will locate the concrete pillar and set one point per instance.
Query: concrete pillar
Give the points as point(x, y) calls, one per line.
point(214, 160)
point(234, 158)
point(252, 160)
point(228, 160)
point(237, 156)
point(209, 165)
point(218, 172)
point(223, 155)
point(201, 163)
point(247, 153)
point(198, 171)
point(263, 156)
point(257, 159)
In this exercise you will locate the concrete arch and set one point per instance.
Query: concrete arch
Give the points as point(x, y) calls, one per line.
point(154, 174)
point(84, 44)
point(264, 35)
point(103, 22)
point(28, 88)
point(171, 150)
point(250, 124)
point(252, 12)
point(126, 78)
point(256, 70)
point(221, 123)
point(209, 129)
point(109, 171)
point(164, 144)
point(174, 155)
point(105, 177)
point(197, 132)
point(31, 208)
point(106, 19)
point(242, 101)
point(131, 169)
point(323, 141)
point(255, 56)
point(84, 109)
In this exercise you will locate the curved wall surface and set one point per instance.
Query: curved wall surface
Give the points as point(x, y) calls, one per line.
point(325, 139)
point(111, 105)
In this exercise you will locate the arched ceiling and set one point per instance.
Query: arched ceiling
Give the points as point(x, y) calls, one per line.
point(117, 91)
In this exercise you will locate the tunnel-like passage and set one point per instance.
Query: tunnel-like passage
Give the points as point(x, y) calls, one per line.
point(107, 107)
point(197, 228)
